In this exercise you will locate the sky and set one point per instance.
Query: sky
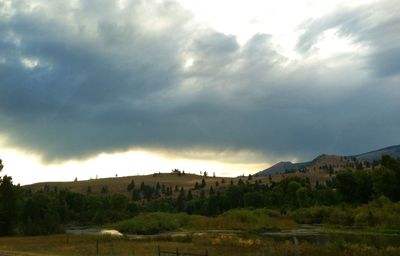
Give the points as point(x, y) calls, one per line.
point(96, 88)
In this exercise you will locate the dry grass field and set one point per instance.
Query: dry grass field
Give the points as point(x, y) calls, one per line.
point(216, 245)
point(119, 184)
point(187, 181)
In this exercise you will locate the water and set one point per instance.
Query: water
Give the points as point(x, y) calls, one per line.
point(93, 231)
point(324, 237)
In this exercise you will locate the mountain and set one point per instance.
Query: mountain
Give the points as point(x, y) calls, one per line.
point(333, 162)
point(280, 168)
point(393, 151)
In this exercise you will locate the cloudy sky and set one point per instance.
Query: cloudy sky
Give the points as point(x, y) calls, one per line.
point(96, 87)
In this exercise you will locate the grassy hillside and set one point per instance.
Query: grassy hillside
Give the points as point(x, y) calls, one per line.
point(119, 184)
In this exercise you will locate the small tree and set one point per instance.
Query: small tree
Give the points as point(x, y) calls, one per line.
point(131, 186)
point(104, 190)
point(203, 183)
point(189, 195)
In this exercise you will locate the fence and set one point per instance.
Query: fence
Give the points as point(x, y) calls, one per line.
point(178, 253)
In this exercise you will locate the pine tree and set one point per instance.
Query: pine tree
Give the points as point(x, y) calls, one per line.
point(189, 195)
point(131, 186)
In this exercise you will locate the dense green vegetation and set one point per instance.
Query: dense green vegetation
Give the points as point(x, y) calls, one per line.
point(153, 223)
point(380, 213)
point(351, 197)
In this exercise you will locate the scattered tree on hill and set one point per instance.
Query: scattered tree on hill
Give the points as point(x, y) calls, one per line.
point(136, 195)
point(131, 186)
point(203, 183)
point(104, 190)
point(189, 195)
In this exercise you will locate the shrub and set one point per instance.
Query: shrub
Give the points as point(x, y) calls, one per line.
point(312, 215)
point(153, 223)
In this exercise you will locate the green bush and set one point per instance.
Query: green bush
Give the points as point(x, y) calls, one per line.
point(342, 217)
point(153, 223)
point(312, 215)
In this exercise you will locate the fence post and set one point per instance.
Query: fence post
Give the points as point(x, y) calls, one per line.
point(158, 249)
point(177, 252)
point(206, 252)
point(97, 247)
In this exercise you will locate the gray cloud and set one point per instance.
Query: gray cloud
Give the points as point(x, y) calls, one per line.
point(375, 26)
point(98, 78)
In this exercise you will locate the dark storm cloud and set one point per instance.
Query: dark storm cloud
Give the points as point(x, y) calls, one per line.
point(80, 79)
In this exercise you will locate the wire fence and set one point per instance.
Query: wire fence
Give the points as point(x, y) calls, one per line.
point(179, 253)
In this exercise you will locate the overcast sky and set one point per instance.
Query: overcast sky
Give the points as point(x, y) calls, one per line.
point(96, 87)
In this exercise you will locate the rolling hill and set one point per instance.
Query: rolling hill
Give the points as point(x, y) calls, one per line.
point(120, 184)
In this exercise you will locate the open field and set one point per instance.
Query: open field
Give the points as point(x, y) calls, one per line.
point(218, 244)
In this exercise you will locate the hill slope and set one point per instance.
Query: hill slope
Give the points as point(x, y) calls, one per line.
point(120, 184)
point(393, 151)
point(332, 162)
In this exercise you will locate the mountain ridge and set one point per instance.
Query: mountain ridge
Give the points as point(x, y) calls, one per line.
point(327, 161)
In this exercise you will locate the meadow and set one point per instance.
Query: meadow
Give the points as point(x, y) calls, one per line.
point(217, 244)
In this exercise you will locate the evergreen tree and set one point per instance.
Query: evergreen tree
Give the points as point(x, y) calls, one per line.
point(8, 206)
point(136, 195)
point(203, 183)
point(131, 186)
point(189, 195)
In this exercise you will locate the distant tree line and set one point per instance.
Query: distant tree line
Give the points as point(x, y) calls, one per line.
point(51, 209)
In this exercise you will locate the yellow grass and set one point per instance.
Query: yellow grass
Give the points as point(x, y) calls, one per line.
point(217, 244)
point(119, 184)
